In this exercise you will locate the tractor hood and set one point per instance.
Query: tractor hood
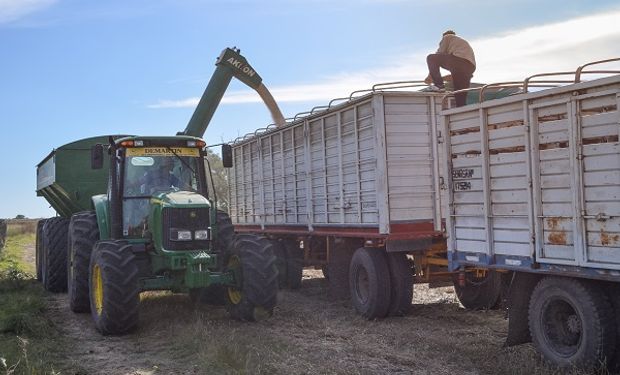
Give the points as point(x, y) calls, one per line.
point(180, 198)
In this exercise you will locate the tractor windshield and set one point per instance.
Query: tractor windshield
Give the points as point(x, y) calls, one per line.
point(148, 173)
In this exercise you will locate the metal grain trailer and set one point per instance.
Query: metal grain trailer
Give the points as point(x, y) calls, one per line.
point(534, 190)
point(354, 189)
point(66, 181)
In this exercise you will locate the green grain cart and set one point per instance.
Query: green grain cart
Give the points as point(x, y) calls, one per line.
point(135, 214)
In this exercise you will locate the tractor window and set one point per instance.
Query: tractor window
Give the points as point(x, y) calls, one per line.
point(147, 176)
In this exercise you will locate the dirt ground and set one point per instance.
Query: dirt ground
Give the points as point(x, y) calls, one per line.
point(310, 333)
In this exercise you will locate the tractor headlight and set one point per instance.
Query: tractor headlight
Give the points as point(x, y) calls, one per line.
point(180, 235)
point(201, 235)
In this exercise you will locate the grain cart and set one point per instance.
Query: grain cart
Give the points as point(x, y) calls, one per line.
point(136, 215)
point(355, 189)
point(534, 190)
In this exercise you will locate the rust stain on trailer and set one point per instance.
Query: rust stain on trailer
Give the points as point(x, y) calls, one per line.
point(556, 235)
point(609, 239)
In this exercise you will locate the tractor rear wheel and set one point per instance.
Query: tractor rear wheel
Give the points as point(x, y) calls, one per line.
point(54, 270)
point(114, 288)
point(369, 280)
point(39, 250)
point(253, 264)
point(83, 233)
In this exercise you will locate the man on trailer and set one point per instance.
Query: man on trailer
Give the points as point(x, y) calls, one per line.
point(456, 55)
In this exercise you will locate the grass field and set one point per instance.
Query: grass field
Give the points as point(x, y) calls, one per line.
point(26, 335)
point(310, 333)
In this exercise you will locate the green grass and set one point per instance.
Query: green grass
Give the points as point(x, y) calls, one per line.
point(26, 336)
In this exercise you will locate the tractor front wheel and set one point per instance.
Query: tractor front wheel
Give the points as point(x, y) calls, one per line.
point(114, 289)
point(253, 264)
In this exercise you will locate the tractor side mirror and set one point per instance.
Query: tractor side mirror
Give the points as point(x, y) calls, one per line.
point(227, 156)
point(96, 156)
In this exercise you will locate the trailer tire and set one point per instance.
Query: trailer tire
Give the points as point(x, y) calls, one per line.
point(571, 323)
point(39, 250)
point(401, 284)
point(613, 293)
point(114, 288)
point(280, 254)
point(479, 293)
point(252, 262)
point(369, 281)
point(83, 234)
point(54, 266)
point(294, 263)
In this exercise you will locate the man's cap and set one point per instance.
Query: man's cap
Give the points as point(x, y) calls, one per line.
point(448, 32)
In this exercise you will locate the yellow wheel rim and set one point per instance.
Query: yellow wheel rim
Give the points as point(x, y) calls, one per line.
point(98, 289)
point(234, 294)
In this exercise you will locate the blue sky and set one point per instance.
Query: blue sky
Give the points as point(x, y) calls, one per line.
point(73, 69)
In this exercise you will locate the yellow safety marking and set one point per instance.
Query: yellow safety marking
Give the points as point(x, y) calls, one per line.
point(98, 289)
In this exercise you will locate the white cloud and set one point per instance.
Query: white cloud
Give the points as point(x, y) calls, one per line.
point(12, 10)
point(514, 55)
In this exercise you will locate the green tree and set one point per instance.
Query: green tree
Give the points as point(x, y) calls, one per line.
point(20, 217)
point(220, 180)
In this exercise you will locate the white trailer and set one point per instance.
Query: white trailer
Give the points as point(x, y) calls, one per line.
point(354, 189)
point(534, 190)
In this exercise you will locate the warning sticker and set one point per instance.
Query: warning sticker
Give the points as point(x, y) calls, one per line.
point(162, 151)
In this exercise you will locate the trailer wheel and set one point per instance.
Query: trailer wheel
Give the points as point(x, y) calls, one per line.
point(294, 263)
point(54, 270)
point(613, 293)
point(252, 262)
point(216, 294)
point(401, 282)
point(39, 250)
point(114, 288)
point(280, 253)
point(369, 281)
point(571, 323)
point(479, 293)
point(83, 233)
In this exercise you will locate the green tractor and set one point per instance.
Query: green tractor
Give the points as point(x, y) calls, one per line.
point(135, 215)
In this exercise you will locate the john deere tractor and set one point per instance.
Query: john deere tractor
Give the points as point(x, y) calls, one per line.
point(135, 215)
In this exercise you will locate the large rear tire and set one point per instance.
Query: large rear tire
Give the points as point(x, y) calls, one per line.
point(479, 293)
point(39, 250)
point(54, 270)
point(83, 234)
point(253, 264)
point(401, 283)
point(571, 323)
point(369, 281)
point(114, 288)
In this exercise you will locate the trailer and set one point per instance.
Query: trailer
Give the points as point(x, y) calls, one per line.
point(354, 188)
point(534, 192)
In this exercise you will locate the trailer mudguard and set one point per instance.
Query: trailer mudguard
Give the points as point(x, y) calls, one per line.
point(519, 295)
